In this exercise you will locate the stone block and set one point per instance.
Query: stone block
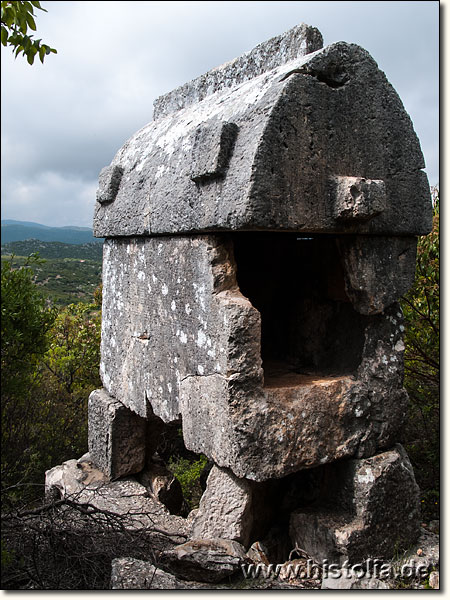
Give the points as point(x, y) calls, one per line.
point(357, 198)
point(210, 560)
point(212, 148)
point(295, 43)
point(225, 509)
point(109, 183)
point(349, 581)
point(377, 270)
point(371, 511)
point(116, 436)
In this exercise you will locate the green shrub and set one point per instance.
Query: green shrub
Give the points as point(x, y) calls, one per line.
point(50, 364)
point(188, 474)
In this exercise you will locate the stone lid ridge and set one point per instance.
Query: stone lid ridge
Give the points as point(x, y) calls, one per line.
point(298, 41)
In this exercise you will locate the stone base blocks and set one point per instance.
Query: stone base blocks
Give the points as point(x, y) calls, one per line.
point(116, 436)
point(226, 509)
point(371, 510)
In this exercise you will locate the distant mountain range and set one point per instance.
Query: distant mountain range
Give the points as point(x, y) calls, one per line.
point(17, 231)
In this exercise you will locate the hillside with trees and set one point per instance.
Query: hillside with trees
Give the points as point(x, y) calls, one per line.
point(65, 273)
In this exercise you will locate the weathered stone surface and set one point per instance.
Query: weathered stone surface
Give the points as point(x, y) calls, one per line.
point(134, 574)
point(424, 553)
point(357, 198)
point(296, 42)
point(406, 571)
point(212, 165)
point(375, 514)
point(157, 478)
point(300, 421)
point(378, 270)
point(164, 313)
point(210, 560)
point(125, 497)
point(301, 126)
point(72, 477)
point(349, 581)
point(109, 183)
point(116, 436)
point(180, 339)
point(225, 509)
point(434, 580)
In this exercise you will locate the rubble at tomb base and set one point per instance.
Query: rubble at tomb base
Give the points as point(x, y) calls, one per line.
point(259, 233)
point(333, 516)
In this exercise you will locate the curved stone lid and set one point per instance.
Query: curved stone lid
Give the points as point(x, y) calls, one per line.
point(295, 43)
point(321, 143)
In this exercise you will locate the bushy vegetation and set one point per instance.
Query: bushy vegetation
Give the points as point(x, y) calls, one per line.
point(188, 473)
point(50, 363)
point(91, 251)
point(421, 309)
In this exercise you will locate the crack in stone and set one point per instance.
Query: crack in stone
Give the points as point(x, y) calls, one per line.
point(332, 79)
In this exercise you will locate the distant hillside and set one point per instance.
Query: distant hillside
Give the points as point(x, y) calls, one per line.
point(16, 231)
point(68, 272)
point(90, 251)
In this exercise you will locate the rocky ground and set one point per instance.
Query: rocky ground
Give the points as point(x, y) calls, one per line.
point(192, 558)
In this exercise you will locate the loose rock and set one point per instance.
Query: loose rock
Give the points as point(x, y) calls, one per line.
point(211, 560)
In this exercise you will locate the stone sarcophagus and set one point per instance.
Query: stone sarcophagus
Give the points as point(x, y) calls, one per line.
point(259, 233)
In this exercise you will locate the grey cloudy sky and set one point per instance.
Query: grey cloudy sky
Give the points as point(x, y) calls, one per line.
point(65, 120)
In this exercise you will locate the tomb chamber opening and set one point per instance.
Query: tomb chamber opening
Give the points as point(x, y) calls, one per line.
point(309, 327)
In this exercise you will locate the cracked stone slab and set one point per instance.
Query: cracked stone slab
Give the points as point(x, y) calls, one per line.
point(225, 509)
point(300, 125)
point(209, 560)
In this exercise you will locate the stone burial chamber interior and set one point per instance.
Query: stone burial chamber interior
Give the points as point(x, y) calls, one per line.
point(309, 327)
point(259, 233)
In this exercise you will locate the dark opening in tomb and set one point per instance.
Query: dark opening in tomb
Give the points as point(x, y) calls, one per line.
point(308, 325)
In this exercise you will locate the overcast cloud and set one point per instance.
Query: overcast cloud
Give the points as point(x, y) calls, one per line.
point(65, 120)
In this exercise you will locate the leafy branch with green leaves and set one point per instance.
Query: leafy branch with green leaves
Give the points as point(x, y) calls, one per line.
point(17, 18)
